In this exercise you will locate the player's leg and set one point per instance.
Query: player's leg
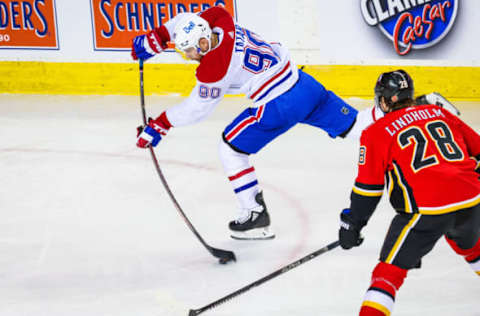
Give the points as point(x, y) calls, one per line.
point(410, 237)
point(312, 104)
point(248, 134)
point(380, 297)
point(464, 237)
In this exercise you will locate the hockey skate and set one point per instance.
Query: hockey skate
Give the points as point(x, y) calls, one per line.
point(253, 224)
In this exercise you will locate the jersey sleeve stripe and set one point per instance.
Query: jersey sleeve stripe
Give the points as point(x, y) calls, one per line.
point(364, 192)
point(370, 187)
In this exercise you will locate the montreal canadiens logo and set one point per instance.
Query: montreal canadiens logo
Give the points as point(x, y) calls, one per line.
point(411, 24)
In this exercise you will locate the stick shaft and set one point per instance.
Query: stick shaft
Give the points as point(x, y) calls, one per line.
point(272, 275)
point(219, 253)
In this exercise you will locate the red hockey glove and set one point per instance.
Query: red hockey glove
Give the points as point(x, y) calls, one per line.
point(147, 45)
point(152, 133)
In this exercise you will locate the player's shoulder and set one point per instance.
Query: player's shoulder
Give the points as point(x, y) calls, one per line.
point(213, 68)
point(376, 132)
point(218, 16)
point(215, 64)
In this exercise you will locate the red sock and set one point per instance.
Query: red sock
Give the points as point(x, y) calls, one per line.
point(380, 297)
point(472, 255)
point(370, 311)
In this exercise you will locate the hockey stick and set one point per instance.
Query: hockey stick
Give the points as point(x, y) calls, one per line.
point(272, 275)
point(223, 255)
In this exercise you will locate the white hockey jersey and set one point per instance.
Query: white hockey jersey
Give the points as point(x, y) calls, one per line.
point(241, 63)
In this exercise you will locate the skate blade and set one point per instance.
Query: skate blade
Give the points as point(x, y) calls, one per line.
point(263, 233)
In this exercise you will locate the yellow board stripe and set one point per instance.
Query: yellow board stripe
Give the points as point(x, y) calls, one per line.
point(122, 78)
point(95, 78)
point(400, 238)
point(377, 306)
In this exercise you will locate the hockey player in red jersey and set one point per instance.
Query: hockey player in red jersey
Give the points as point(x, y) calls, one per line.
point(428, 161)
point(235, 60)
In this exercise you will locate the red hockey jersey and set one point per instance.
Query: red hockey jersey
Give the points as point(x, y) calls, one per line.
point(427, 158)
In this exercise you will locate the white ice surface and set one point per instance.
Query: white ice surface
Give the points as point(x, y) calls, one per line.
point(86, 227)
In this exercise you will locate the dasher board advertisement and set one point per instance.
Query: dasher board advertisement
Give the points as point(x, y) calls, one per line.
point(116, 22)
point(28, 24)
point(411, 24)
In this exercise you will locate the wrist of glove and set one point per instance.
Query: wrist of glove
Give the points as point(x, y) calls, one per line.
point(147, 45)
point(349, 233)
point(152, 133)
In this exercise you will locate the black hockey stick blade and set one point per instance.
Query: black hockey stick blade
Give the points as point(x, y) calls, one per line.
point(224, 256)
point(194, 312)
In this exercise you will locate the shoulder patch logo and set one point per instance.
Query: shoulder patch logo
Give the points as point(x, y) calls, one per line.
point(362, 155)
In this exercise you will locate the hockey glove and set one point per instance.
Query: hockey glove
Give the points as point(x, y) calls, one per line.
point(349, 233)
point(153, 132)
point(437, 99)
point(147, 45)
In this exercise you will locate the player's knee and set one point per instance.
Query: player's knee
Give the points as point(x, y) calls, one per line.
point(465, 248)
point(231, 159)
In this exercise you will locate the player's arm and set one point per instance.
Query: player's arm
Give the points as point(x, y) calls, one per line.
point(364, 119)
point(472, 138)
point(366, 193)
point(199, 105)
point(368, 188)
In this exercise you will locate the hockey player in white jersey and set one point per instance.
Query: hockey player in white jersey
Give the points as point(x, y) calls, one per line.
point(235, 60)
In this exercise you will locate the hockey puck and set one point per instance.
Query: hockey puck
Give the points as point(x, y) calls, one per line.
point(223, 260)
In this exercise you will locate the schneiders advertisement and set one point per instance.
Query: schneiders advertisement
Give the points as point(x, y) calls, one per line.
point(28, 24)
point(116, 22)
